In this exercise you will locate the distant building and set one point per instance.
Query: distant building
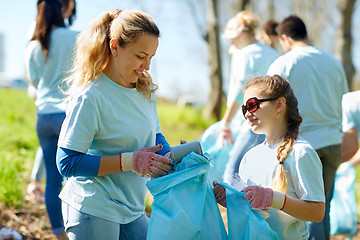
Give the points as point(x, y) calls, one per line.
point(2, 52)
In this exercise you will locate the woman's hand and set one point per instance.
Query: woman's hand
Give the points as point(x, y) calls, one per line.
point(146, 163)
point(226, 136)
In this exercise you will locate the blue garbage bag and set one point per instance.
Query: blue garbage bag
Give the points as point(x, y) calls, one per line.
point(244, 223)
point(343, 213)
point(184, 206)
point(217, 151)
point(219, 156)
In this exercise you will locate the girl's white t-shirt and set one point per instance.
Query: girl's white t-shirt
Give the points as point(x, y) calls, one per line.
point(304, 174)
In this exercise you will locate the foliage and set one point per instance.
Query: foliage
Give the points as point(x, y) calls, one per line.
point(184, 123)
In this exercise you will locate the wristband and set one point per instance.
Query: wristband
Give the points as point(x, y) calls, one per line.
point(126, 161)
point(279, 200)
point(284, 203)
point(120, 163)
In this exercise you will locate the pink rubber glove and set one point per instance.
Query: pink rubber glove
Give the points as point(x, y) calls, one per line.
point(146, 163)
point(220, 193)
point(259, 197)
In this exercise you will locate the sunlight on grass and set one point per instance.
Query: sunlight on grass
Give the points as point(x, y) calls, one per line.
point(182, 122)
point(18, 143)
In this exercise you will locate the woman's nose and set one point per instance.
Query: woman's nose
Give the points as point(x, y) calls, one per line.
point(146, 65)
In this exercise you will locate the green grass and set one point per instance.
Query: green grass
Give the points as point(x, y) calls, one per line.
point(18, 143)
point(184, 123)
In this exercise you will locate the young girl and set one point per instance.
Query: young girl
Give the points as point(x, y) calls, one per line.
point(284, 174)
point(111, 130)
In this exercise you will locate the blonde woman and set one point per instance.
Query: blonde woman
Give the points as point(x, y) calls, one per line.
point(284, 173)
point(111, 132)
point(249, 58)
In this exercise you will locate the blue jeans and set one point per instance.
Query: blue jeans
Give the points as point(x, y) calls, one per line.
point(82, 226)
point(245, 140)
point(330, 159)
point(48, 129)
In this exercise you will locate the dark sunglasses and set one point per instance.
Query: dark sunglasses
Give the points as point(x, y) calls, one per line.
point(253, 104)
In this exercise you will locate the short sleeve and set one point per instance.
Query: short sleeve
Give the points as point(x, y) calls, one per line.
point(307, 176)
point(242, 71)
point(34, 62)
point(80, 125)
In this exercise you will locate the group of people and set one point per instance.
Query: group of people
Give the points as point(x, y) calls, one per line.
point(99, 128)
point(293, 170)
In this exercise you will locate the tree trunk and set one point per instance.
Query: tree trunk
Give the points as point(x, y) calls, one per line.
point(214, 105)
point(344, 39)
point(271, 11)
point(242, 4)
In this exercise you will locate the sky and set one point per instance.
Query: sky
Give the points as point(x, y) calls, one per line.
point(180, 66)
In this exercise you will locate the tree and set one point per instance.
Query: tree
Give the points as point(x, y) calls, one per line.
point(212, 37)
point(344, 38)
point(242, 4)
point(214, 105)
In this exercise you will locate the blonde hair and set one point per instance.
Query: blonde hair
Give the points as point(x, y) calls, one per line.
point(93, 50)
point(275, 87)
point(243, 21)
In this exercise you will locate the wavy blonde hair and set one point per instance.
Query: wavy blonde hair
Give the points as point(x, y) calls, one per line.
point(93, 49)
point(275, 87)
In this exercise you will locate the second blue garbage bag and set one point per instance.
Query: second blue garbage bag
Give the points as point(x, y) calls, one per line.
point(244, 223)
point(184, 205)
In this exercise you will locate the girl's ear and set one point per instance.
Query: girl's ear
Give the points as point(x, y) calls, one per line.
point(114, 46)
point(280, 104)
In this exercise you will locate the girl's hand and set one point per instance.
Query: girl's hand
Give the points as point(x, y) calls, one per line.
point(259, 197)
point(264, 198)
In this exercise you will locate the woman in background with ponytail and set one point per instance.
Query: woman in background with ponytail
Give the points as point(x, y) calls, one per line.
point(48, 57)
point(34, 189)
point(283, 174)
point(111, 141)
